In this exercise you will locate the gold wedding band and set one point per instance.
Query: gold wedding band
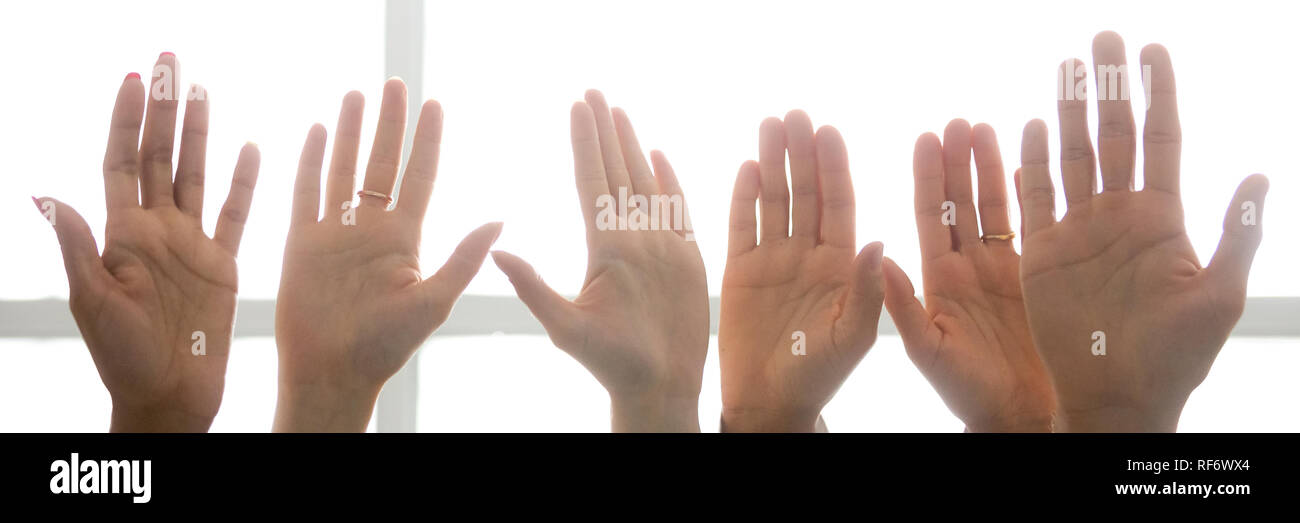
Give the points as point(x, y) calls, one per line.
point(1006, 236)
point(388, 200)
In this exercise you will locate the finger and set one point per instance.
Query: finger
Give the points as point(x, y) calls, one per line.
point(230, 225)
point(837, 189)
point(668, 185)
point(1116, 137)
point(643, 181)
point(557, 315)
point(616, 174)
point(665, 177)
point(1037, 196)
point(1243, 229)
point(775, 205)
point(188, 189)
point(1162, 136)
point(159, 134)
point(386, 152)
point(743, 235)
point(588, 166)
point(86, 273)
point(122, 156)
point(422, 169)
point(956, 183)
point(909, 315)
point(927, 174)
point(441, 290)
point(306, 187)
point(994, 217)
point(341, 181)
point(1078, 165)
point(1019, 204)
point(856, 328)
point(805, 209)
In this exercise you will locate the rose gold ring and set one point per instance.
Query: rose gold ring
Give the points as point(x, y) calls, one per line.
point(388, 200)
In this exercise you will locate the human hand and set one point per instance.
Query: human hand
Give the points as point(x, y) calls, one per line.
point(971, 338)
point(807, 281)
point(353, 306)
point(640, 324)
point(158, 308)
point(1124, 316)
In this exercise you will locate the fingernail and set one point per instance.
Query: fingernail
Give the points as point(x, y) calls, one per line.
point(166, 53)
point(130, 76)
point(499, 226)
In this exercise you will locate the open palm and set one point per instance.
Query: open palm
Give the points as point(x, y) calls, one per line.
point(799, 311)
point(640, 324)
point(970, 339)
point(157, 309)
point(1127, 320)
point(353, 304)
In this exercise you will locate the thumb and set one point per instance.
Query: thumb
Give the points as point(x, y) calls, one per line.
point(1242, 232)
point(911, 318)
point(442, 289)
point(557, 315)
point(862, 307)
point(86, 272)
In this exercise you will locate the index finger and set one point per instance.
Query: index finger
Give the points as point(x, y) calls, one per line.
point(588, 169)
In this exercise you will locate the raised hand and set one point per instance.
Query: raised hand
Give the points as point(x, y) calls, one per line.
point(971, 338)
point(799, 289)
point(641, 321)
point(353, 305)
point(158, 308)
point(1124, 316)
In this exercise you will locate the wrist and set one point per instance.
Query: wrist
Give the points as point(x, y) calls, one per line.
point(654, 412)
point(1014, 423)
point(157, 417)
point(770, 420)
point(323, 407)
point(1118, 418)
